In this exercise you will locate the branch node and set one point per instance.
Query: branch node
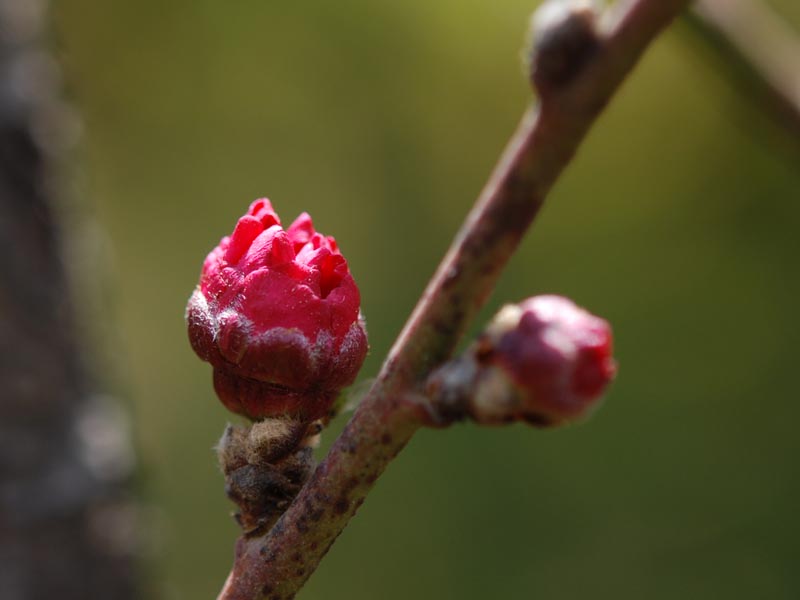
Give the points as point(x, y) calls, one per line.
point(563, 37)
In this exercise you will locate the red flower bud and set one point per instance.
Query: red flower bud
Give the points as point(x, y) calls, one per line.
point(276, 313)
point(556, 356)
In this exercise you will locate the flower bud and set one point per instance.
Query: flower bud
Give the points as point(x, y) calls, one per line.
point(555, 355)
point(276, 313)
point(544, 361)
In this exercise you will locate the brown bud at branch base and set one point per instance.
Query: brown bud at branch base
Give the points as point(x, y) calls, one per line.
point(265, 465)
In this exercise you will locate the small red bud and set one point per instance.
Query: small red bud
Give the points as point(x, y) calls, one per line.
point(555, 355)
point(276, 313)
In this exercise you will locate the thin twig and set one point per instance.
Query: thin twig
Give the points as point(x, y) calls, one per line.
point(759, 49)
point(276, 565)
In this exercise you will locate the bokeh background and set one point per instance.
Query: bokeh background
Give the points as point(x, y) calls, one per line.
point(677, 221)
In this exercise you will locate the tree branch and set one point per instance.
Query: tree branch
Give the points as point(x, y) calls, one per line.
point(759, 49)
point(277, 564)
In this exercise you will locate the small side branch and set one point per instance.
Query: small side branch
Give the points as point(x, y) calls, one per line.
point(277, 564)
point(760, 50)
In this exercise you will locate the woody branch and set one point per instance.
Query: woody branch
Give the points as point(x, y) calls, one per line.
point(579, 60)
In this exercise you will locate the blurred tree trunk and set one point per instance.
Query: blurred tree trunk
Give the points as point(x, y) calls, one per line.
point(66, 521)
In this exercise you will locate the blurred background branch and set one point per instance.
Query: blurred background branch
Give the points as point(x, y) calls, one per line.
point(759, 50)
point(66, 521)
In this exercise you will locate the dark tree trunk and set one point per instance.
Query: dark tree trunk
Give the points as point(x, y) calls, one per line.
point(65, 519)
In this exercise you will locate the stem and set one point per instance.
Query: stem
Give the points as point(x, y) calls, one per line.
point(276, 565)
point(760, 50)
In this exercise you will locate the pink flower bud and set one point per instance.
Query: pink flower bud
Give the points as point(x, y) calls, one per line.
point(556, 356)
point(276, 313)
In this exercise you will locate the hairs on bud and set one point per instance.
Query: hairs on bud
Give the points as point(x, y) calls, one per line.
point(265, 465)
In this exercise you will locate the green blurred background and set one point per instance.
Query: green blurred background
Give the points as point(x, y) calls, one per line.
point(677, 221)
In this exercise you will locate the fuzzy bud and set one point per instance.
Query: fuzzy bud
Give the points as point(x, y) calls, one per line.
point(545, 361)
point(265, 465)
point(276, 313)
